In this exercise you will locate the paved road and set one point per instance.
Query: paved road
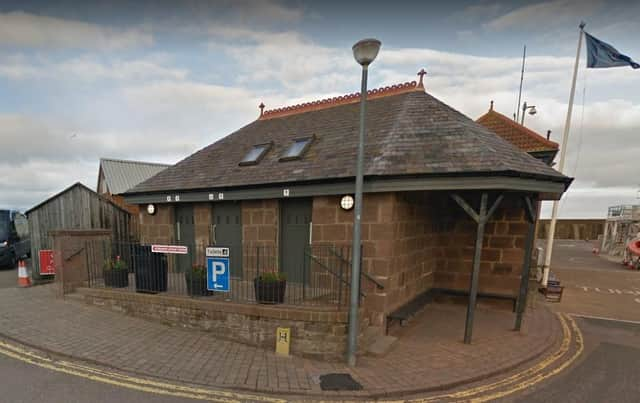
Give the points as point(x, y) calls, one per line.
point(608, 369)
point(8, 277)
point(22, 382)
point(595, 286)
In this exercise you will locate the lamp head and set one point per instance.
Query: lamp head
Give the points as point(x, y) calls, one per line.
point(532, 110)
point(366, 50)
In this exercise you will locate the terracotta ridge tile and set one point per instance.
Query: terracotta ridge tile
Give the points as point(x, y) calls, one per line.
point(341, 100)
point(522, 129)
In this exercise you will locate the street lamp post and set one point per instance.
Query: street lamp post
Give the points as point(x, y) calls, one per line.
point(365, 52)
point(532, 111)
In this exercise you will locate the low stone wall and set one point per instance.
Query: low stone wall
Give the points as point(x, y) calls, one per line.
point(587, 229)
point(315, 333)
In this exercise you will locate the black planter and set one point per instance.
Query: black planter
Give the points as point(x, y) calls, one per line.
point(196, 285)
point(270, 292)
point(116, 278)
point(151, 270)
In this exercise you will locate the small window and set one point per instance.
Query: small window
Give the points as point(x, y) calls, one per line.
point(297, 149)
point(255, 154)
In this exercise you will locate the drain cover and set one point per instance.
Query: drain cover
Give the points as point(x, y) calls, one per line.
point(338, 382)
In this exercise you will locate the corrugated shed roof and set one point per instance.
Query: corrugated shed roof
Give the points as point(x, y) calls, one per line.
point(122, 175)
point(515, 133)
point(411, 133)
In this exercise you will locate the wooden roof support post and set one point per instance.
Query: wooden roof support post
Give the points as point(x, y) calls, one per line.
point(531, 212)
point(481, 219)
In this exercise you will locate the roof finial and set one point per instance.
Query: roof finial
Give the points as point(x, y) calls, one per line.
point(491, 107)
point(421, 73)
point(261, 106)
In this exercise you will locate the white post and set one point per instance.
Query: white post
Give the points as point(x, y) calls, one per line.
point(563, 153)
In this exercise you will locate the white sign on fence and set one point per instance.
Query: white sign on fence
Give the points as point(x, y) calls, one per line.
point(217, 251)
point(173, 249)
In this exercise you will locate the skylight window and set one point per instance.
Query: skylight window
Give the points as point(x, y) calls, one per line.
point(255, 154)
point(297, 149)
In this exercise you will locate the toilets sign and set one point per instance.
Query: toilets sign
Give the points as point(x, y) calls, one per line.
point(218, 269)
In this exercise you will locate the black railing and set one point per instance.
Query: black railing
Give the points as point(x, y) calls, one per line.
point(319, 277)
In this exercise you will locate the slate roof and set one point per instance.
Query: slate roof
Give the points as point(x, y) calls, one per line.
point(408, 133)
point(122, 175)
point(515, 133)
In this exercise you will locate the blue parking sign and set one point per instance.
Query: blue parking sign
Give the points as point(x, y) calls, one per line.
point(218, 274)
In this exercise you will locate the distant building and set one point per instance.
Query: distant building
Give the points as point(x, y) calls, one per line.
point(117, 176)
point(76, 207)
point(525, 139)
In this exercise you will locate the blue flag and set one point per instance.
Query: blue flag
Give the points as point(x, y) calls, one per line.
point(602, 55)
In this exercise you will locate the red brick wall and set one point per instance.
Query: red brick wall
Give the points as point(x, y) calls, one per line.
point(398, 247)
point(157, 228)
point(412, 241)
point(502, 252)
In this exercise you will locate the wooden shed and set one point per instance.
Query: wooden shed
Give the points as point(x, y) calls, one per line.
point(76, 207)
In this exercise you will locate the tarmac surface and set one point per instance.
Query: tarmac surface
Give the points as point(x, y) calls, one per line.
point(607, 372)
point(8, 277)
point(597, 362)
point(604, 296)
point(594, 286)
point(24, 382)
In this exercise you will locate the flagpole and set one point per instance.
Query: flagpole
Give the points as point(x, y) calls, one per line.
point(563, 153)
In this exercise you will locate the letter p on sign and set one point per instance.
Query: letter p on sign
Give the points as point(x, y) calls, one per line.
point(218, 274)
point(218, 270)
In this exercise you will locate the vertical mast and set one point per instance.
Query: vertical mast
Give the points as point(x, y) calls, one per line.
point(563, 152)
point(524, 56)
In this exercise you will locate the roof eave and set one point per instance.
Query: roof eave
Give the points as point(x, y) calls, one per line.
point(551, 188)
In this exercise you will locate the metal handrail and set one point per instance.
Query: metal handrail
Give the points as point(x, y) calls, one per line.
point(330, 271)
point(362, 272)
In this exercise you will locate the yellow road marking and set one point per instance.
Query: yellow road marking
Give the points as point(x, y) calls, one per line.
point(531, 376)
point(564, 347)
point(128, 382)
point(540, 377)
point(529, 373)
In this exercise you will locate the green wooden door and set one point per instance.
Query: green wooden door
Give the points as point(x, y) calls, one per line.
point(295, 222)
point(227, 221)
point(185, 235)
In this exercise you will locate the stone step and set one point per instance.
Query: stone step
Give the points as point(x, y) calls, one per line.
point(74, 297)
point(371, 333)
point(381, 345)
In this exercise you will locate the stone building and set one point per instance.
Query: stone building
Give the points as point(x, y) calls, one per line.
point(436, 182)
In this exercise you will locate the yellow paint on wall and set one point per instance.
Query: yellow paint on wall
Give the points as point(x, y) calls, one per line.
point(283, 340)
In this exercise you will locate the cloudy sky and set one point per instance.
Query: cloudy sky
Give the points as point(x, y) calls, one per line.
point(158, 80)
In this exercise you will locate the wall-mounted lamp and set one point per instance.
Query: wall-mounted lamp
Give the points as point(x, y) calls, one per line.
point(151, 209)
point(347, 202)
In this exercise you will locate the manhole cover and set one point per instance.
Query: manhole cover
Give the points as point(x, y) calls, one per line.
point(338, 382)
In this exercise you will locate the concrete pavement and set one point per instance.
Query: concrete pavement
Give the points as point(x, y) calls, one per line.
point(428, 356)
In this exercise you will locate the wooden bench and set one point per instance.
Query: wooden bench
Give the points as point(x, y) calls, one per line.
point(404, 312)
point(464, 293)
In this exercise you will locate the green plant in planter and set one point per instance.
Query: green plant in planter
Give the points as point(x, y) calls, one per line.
point(272, 277)
point(196, 280)
point(116, 273)
point(270, 287)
